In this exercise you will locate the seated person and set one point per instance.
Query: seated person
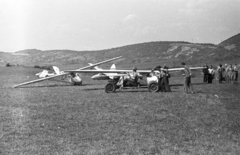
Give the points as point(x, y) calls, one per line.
point(75, 79)
point(133, 77)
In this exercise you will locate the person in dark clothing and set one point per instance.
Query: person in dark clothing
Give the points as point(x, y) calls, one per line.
point(167, 73)
point(205, 73)
point(225, 73)
point(187, 79)
point(220, 71)
point(158, 68)
point(235, 72)
point(165, 80)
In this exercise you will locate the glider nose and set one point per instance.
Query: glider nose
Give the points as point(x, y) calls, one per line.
point(100, 77)
point(94, 77)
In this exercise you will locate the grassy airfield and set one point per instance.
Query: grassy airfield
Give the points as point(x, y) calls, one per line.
point(64, 119)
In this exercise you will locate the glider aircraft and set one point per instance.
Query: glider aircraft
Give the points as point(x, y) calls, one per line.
point(124, 72)
point(44, 75)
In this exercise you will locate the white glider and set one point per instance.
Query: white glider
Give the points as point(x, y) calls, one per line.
point(63, 73)
point(126, 71)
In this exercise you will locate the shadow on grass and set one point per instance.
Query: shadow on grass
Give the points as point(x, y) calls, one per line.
point(126, 90)
point(131, 90)
point(171, 85)
point(91, 89)
point(117, 91)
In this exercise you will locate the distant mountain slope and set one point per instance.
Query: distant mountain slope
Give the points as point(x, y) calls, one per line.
point(151, 52)
point(232, 43)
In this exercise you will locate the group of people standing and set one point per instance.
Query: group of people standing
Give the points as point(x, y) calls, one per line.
point(208, 73)
point(228, 73)
point(164, 76)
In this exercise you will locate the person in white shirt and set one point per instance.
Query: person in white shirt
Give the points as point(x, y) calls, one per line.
point(75, 79)
point(132, 77)
point(210, 74)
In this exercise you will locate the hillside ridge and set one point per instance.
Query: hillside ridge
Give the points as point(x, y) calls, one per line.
point(171, 52)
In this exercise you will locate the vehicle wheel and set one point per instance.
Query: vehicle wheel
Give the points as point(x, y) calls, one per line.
point(153, 87)
point(110, 88)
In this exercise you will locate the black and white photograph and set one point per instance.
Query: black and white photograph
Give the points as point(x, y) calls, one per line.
point(119, 77)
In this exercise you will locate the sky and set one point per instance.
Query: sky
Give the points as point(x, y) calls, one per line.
point(103, 24)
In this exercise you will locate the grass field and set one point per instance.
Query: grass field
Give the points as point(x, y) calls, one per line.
point(64, 119)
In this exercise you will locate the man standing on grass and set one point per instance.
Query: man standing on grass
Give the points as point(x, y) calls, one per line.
point(160, 76)
point(210, 74)
point(205, 73)
point(235, 72)
point(187, 79)
point(225, 68)
point(220, 73)
point(165, 79)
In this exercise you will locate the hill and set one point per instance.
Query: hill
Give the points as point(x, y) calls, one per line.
point(232, 43)
point(153, 53)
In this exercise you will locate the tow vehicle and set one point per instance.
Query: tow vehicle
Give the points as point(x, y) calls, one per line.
point(117, 83)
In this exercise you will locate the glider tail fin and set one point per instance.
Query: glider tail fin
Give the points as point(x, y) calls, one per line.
point(113, 67)
point(56, 70)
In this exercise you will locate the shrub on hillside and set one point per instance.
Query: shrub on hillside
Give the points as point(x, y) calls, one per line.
point(36, 66)
point(46, 67)
point(8, 65)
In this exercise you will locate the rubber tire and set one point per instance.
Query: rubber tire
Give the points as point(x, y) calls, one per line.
point(153, 87)
point(110, 88)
